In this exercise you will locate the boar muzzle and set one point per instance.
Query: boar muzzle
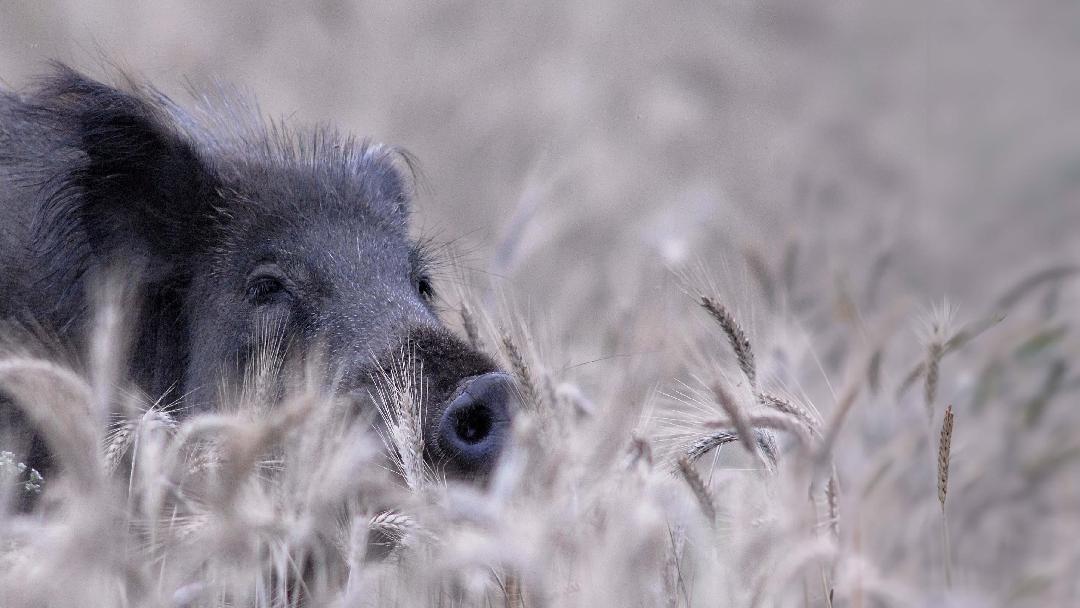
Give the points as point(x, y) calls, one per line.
point(475, 426)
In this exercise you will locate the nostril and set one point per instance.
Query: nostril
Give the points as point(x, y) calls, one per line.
point(474, 425)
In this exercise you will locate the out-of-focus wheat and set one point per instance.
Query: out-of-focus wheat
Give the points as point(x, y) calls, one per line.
point(265, 506)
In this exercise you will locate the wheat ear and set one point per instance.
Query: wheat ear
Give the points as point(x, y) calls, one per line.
point(944, 451)
point(744, 354)
point(521, 371)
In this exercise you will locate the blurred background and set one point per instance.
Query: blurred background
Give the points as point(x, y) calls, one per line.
point(606, 138)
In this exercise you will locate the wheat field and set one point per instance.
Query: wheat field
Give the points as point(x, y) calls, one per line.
point(789, 290)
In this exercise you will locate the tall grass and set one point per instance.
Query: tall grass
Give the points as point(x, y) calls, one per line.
point(610, 503)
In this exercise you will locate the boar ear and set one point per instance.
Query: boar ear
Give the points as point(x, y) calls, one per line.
point(139, 190)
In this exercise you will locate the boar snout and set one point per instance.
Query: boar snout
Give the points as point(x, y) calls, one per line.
point(475, 426)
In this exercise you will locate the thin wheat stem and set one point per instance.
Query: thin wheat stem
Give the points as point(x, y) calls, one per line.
point(698, 487)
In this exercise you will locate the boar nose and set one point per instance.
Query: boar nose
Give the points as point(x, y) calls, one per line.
point(475, 427)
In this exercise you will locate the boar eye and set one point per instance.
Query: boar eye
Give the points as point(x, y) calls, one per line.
point(424, 286)
point(267, 284)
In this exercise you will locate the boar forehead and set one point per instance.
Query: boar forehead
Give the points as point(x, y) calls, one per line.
point(328, 238)
point(374, 190)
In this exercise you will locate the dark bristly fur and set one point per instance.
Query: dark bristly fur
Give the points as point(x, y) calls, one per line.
point(229, 228)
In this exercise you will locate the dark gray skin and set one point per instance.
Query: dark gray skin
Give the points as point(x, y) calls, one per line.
point(234, 232)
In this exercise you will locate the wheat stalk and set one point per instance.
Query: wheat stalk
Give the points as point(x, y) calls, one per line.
point(944, 452)
point(744, 354)
point(832, 499)
point(698, 487)
point(521, 370)
point(767, 420)
point(393, 525)
point(792, 409)
point(759, 268)
point(117, 443)
point(468, 321)
point(512, 591)
point(400, 403)
point(738, 420)
point(933, 360)
point(707, 443)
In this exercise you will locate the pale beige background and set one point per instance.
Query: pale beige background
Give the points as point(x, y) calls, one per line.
point(641, 134)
